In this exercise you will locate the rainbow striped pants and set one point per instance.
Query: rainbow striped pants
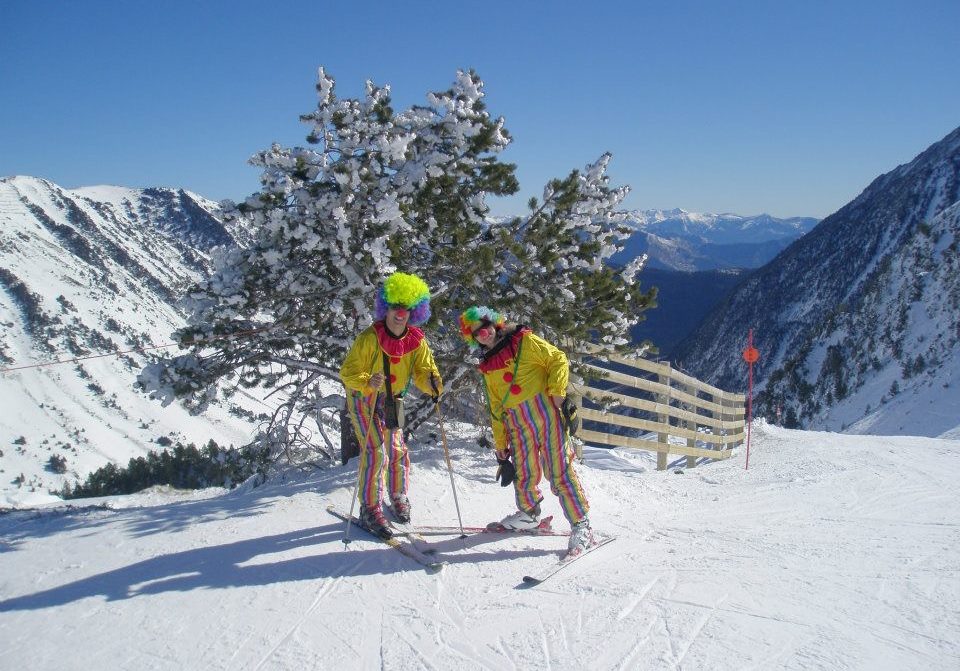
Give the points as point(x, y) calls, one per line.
point(377, 463)
point(536, 435)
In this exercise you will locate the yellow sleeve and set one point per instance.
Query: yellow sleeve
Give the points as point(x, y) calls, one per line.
point(499, 433)
point(359, 363)
point(423, 367)
point(554, 362)
point(496, 421)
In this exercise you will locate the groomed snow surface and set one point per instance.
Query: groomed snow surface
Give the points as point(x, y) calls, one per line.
point(831, 552)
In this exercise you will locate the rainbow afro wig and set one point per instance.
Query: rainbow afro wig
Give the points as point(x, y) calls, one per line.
point(407, 290)
point(474, 317)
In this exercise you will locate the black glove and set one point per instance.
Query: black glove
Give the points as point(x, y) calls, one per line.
point(436, 392)
point(506, 473)
point(571, 415)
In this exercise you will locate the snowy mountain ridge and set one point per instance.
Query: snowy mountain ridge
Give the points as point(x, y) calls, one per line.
point(860, 313)
point(83, 273)
point(899, 349)
point(690, 241)
point(719, 228)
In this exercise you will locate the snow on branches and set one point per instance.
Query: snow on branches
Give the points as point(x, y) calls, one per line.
point(375, 191)
point(554, 274)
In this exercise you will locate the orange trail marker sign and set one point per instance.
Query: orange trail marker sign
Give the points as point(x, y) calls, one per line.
point(751, 355)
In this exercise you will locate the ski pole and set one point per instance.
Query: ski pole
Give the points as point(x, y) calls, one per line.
point(446, 454)
point(356, 486)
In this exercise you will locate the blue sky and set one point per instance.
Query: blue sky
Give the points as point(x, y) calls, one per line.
point(789, 108)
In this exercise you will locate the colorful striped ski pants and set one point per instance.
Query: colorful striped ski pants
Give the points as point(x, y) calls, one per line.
point(535, 433)
point(376, 462)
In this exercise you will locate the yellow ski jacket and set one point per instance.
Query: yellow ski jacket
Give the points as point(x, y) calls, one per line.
point(410, 357)
point(518, 370)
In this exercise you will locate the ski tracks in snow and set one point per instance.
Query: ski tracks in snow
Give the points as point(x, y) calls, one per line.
point(326, 589)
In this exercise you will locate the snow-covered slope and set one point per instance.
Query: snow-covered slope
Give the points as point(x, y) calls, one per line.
point(891, 366)
point(87, 272)
point(859, 311)
point(830, 552)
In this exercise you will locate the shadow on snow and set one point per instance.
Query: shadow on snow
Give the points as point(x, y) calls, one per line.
point(227, 566)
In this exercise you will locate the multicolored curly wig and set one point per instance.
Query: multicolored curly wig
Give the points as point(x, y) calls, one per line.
point(474, 317)
point(407, 290)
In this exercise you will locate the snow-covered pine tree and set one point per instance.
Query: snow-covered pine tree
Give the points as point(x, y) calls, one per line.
point(548, 269)
point(554, 274)
point(379, 191)
point(375, 191)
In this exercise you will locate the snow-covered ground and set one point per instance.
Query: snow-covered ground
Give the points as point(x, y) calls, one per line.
point(831, 552)
point(53, 412)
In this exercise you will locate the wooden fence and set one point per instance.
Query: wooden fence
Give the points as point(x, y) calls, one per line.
point(629, 400)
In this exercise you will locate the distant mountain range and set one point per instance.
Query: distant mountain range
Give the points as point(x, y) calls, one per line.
point(860, 315)
point(690, 241)
point(695, 260)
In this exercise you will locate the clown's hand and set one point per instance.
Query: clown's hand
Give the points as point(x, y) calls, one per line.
point(437, 387)
point(506, 471)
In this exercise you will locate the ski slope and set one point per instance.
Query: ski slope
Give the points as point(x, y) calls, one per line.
point(831, 552)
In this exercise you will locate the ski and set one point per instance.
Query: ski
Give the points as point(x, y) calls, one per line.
point(564, 563)
point(407, 549)
point(405, 530)
point(413, 535)
point(543, 529)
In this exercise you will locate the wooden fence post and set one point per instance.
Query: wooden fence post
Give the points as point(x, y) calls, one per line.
point(663, 438)
point(691, 426)
point(741, 410)
point(724, 416)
